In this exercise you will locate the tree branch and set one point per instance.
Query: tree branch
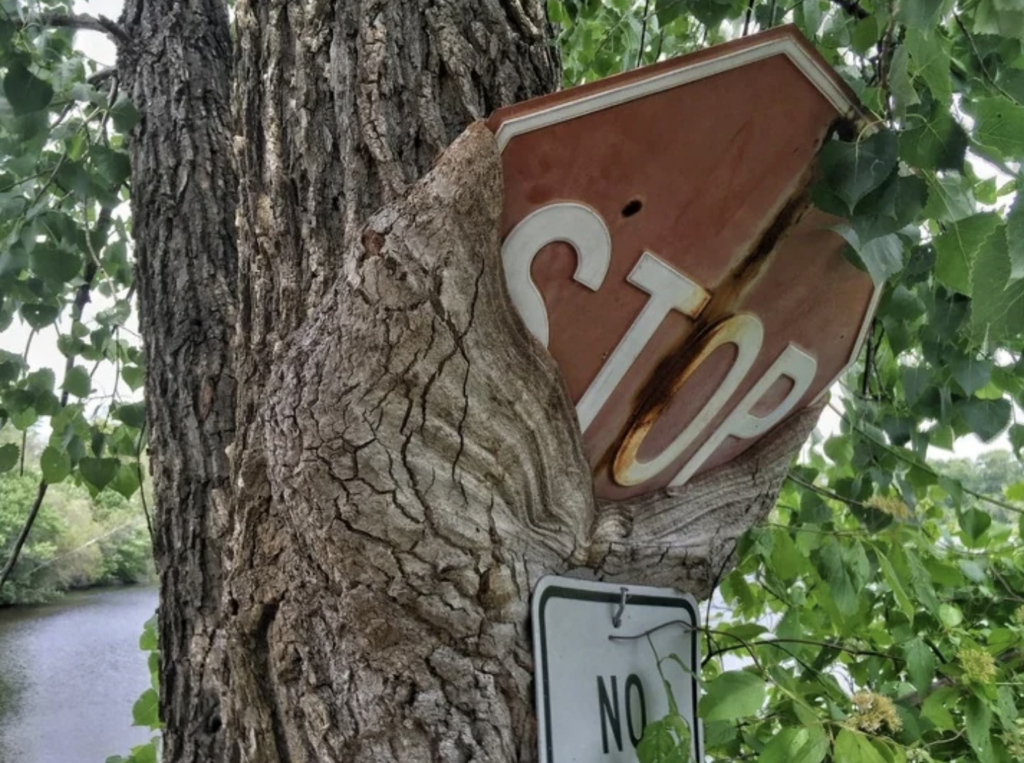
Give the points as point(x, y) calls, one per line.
point(853, 8)
point(78, 21)
point(23, 535)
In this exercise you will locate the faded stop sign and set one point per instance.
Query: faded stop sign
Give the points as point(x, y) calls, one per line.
point(659, 240)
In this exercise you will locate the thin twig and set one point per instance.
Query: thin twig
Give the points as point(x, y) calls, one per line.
point(869, 360)
point(78, 21)
point(142, 485)
point(746, 21)
point(23, 535)
point(102, 76)
point(809, 642)
point(825, 492)
point(981, 61)
point(853, 8)
point(643, 34)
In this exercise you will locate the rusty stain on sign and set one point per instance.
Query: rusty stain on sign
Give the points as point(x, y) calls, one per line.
point(659, 239)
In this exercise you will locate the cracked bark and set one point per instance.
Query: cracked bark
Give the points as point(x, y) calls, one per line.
point(405, 460)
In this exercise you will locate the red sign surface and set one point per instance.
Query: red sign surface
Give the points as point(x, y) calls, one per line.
point(658, 239)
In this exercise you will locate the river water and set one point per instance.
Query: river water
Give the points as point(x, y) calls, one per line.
point(69, 675)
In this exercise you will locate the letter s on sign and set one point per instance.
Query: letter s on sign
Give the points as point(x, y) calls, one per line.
point(575, 224)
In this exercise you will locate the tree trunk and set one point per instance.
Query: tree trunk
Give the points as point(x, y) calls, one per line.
point(406, 461)
point(184, 190)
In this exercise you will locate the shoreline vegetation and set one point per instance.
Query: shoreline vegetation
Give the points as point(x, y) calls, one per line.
point(80, 540)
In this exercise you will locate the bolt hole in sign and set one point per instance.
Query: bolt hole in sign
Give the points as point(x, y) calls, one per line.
point(659, 241)
point(607, 657)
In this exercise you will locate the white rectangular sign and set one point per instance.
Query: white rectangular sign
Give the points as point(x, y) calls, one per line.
point(597, 649)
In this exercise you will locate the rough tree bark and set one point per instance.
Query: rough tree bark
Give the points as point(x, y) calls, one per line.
point(176, 67)
point(405, 461)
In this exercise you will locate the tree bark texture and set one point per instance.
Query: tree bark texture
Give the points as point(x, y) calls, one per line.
point(176, 69)
point(405, 462)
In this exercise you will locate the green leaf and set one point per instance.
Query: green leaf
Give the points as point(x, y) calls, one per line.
point(668, 11)
point(929, 59)
point(133, 376)
point(937, 706)
point(852, 170)
point(25, 91)
point(973, 570)
point(665, 741)
point(854, 747)
point(8, 457)
point(132, 414)
point(1016, 435)
point(98, 472)
point(920, 664)
point(74, 177)
point(55, 465)
point(148, 639)
point(124, 114)
point(909, 567)
point(113, 166)
point(999, 125)
point(39, 315)
point(24, 419)
point(719, 733)
point(920, 14)
point(41, 380)
point(881, 257)
point(970, 373)
point(1015, 237)
point(978, 720)
point(55, 263)
point(895, 585)
point(734, 694)
point(865, 35)
point(956, 249)
point(950, 615)
point(937, 144)
point(786, 559)
point(803, 745)
point(126, 481)
point(950, 198)
point(896, 204)
point(833, 568)
point(744, 631)
point(902, 88)
point(1015, 492)
point(1006, 706)
point(77, 382)
point(145, 753)
point(986, 418)
point(974, 523)
point(146, 710)
point(1000, 315)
